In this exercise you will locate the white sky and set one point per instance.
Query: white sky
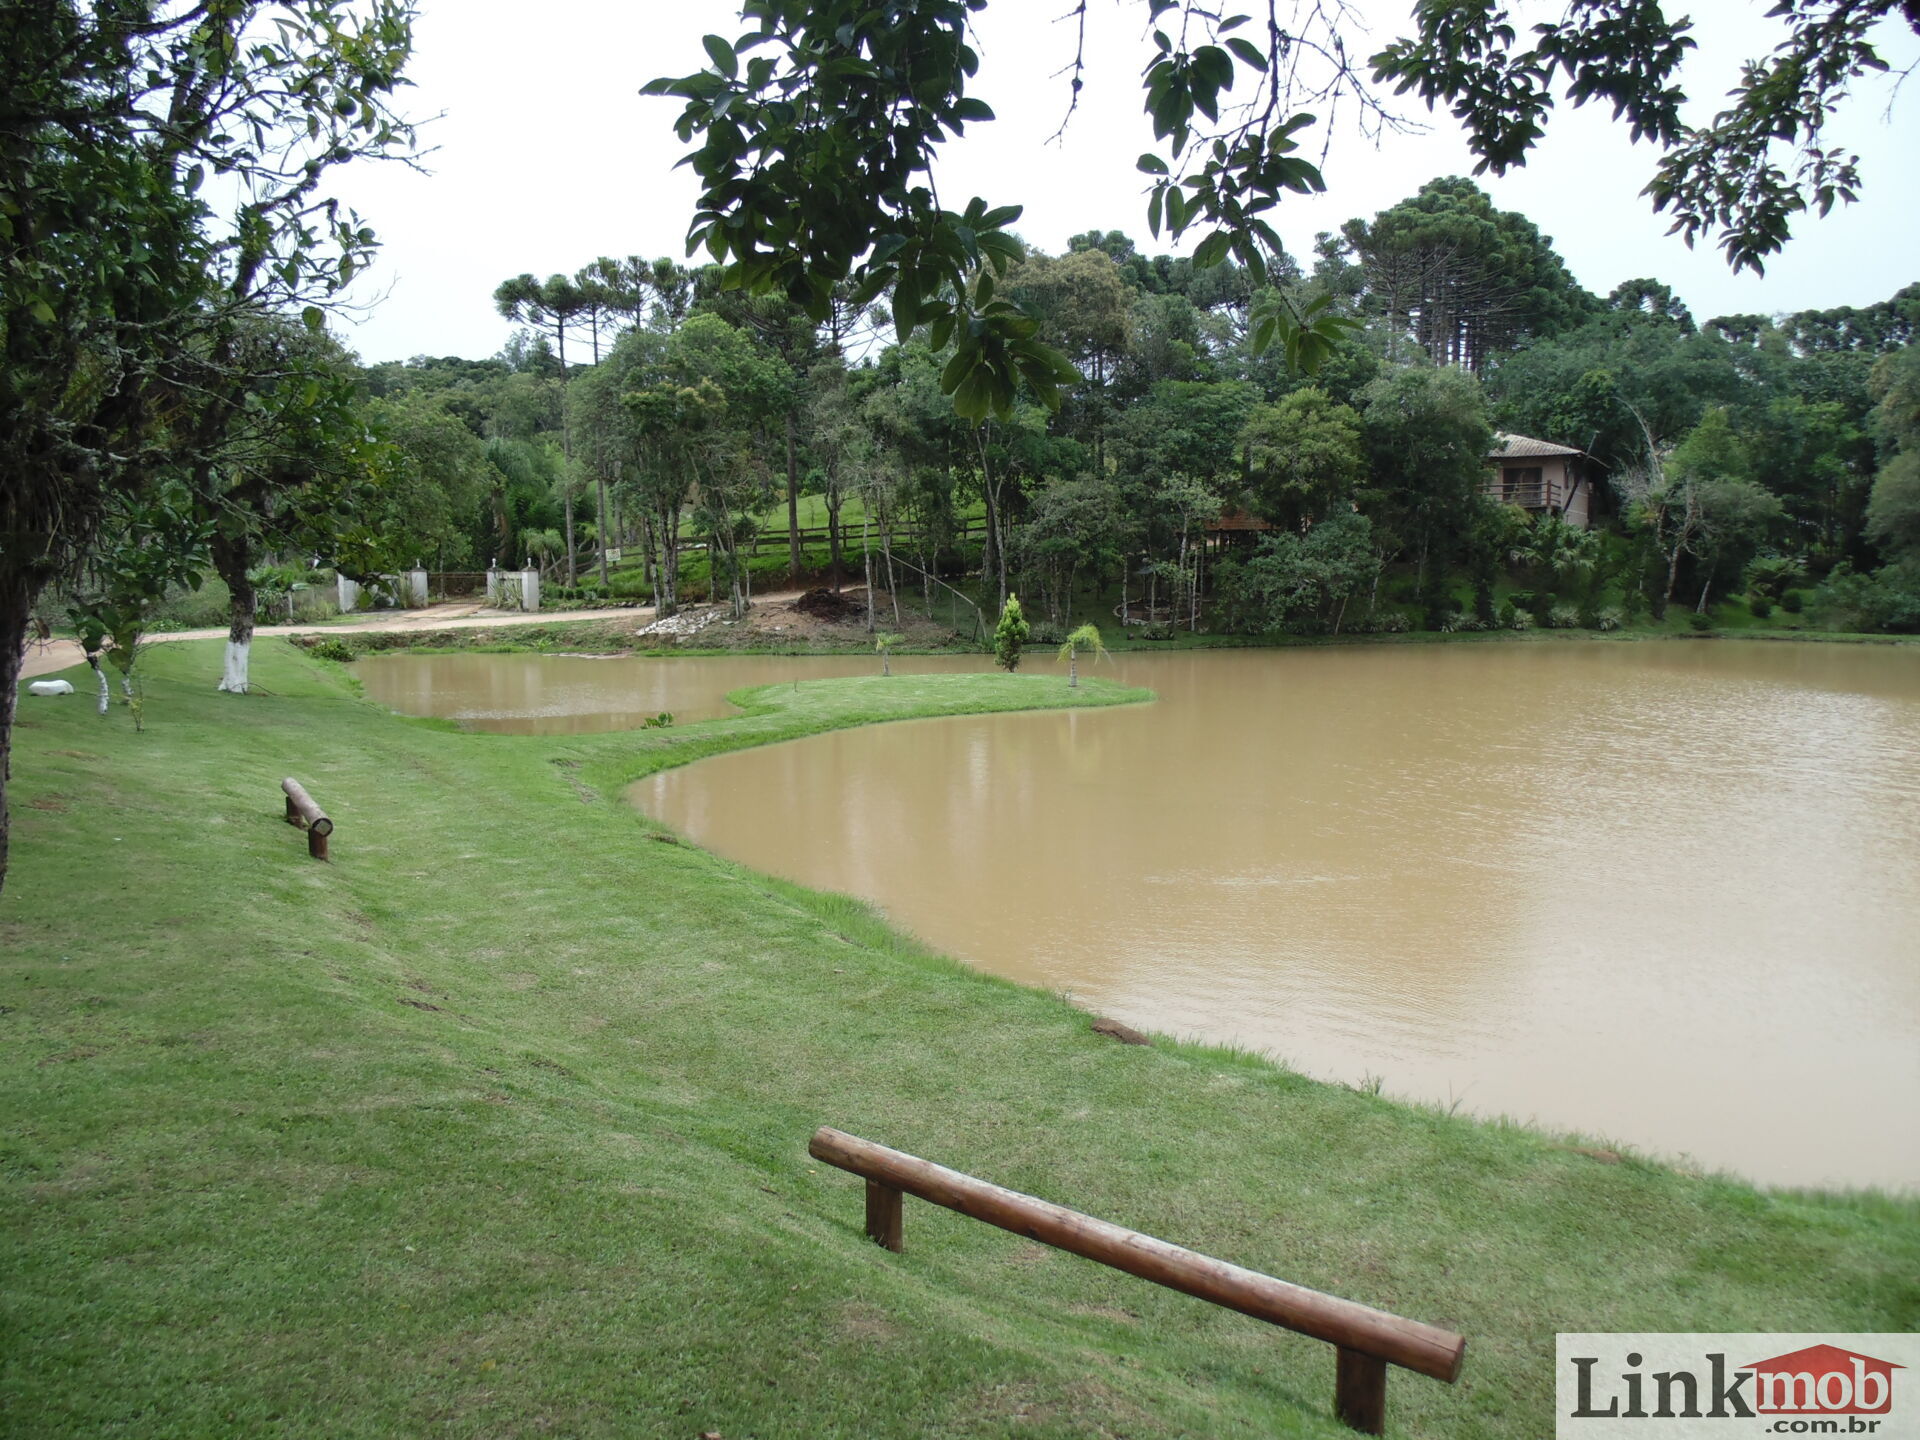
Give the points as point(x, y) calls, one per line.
point(546, 157)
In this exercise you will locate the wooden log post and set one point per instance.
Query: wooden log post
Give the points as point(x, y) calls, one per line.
point(302, 811)
point(885, 1223)
point(1368, 1340)
point(1360, 1391)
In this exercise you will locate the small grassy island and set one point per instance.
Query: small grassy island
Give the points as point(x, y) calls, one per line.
point(497, 1125)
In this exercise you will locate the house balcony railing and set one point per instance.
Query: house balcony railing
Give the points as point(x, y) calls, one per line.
point(1530, 497)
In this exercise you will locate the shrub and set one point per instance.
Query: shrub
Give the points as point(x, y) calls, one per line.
point(1394, 622)
point(1509, 612)
point(1522, 620)
point(1760, 606)
point(1564, 617)
point(1608, 619)
point(201, 609)
point(1770, 575)
point(1483, 608)
point(1009, 635)
point(1888, 599)
point(331, 649)
point(1699, 621)
point(1793, 602)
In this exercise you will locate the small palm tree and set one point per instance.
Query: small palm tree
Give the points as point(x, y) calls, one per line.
point(884, 644)
point(1087, 637)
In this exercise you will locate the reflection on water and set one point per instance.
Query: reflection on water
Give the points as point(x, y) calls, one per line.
point(579, 694)
point(1667, 894)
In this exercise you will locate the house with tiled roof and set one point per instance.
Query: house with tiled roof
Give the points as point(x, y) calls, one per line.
point(1539, 476)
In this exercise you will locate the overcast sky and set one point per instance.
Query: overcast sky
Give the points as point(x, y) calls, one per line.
point(544, 157)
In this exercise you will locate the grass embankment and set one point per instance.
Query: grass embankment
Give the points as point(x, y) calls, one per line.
point(497, 1126)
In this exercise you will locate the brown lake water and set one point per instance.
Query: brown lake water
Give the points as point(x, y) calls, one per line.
point(1664, 894)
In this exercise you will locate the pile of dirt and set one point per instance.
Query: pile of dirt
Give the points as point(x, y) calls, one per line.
point(823, 604)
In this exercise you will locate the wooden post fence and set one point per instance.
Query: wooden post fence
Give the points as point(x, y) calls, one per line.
point(1367, 1340)
point(302, 811)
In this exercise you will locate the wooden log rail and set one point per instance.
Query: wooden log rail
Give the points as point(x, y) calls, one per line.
point(1367, 1340)
point(302, 811)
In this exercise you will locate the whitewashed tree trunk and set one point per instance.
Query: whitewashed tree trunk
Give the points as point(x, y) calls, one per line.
point(233, 674)
point(232, 556)
point(106, 692)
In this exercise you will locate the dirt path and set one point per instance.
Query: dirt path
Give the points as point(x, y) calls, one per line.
point(463, 615)
point(61, 654)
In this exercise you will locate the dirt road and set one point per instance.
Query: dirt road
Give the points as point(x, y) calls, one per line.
point(63, 654)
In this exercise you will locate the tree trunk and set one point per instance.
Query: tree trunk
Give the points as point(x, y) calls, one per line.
point(1199, 578)
point(232, 557)
point(600, 482)
point(886, 551)
point(566, 451)
point(17, 594)
point(667, 584)
point(793, 509)
point(834, 501)
point(1181, 570)
point(866, 561)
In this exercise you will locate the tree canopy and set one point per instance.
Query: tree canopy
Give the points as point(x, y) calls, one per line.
point(818, 125)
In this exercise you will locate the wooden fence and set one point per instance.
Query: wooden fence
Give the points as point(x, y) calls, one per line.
point(776, 540)
point(1367, 1340)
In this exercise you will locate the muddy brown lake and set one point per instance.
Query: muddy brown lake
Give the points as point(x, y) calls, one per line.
point(1665, 895)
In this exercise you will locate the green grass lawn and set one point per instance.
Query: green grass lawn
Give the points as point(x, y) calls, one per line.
point(496, 1126)
point(813, 514)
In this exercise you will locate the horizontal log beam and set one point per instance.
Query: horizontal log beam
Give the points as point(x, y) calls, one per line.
point(302, 811)
point(1345, 1323)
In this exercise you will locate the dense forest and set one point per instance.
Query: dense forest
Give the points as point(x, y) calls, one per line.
point(1750, 458)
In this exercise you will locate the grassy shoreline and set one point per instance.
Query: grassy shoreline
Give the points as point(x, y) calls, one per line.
point(497, 1126)
point(559, 635)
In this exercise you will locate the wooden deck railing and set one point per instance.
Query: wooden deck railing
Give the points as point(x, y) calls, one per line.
point(1368, 1340)
point(1535, 496)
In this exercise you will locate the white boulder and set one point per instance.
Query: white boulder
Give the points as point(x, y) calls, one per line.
point(50, 687)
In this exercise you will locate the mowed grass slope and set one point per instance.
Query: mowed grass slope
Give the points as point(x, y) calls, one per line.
point(497, 1126)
